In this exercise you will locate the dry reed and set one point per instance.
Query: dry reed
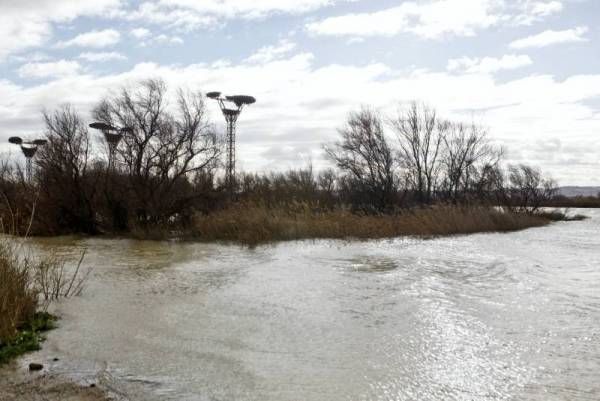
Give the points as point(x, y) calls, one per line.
point(29, 284)
point(252, 224)
point(18, 296)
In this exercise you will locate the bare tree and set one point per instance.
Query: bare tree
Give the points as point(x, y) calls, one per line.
point(529, 190)
point(166, 147)
point(9, 197)
point(420, 134)
point(302, 182)
point(64, 179)
point(326, 181)
point(364, 155)
point(467, 159)
point(489, 184)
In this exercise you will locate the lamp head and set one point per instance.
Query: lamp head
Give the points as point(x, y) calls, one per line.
point(15, 140)
point(102, 126)
point(241, 100)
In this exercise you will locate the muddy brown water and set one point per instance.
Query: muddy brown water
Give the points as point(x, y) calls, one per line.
point(483, 317)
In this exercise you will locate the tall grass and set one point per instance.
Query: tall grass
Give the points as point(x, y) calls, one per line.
point(28, 285)
point(18, 295)
point(254, 224)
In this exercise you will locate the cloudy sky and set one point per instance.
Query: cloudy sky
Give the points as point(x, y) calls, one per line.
point(527, 69)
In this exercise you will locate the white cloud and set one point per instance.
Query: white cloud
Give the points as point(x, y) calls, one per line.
point(432, 19)
point(162, 39)
point(50, 69)
point(528, 12)
point(147, 39)
point(97, 39)
point(169, 17)
point(488, 65)
point(269, 53)
point(27, 24)
point(30, 57)
point(548, 38)
point(192, 14)
point(311, 101)
point(140, 33)
point(546, 8)
point(26, 35)
point(102, 56)
point(250, 9)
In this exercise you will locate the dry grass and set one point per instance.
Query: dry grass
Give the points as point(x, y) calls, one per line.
point(18, 296)
point(250, 224)
point(28, 284)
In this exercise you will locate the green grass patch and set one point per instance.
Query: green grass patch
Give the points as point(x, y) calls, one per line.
point(28, 337)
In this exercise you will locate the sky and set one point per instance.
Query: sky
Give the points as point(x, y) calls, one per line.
point(528, 70)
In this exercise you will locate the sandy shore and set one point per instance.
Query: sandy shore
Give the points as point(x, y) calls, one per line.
point(16, 386)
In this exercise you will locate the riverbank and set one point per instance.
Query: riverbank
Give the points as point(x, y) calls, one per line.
point(47, 387)
point(251, 224)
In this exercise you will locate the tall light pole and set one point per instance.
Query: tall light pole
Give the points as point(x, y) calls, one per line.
point(29, 149)
point(231, 106)
point(113, 136)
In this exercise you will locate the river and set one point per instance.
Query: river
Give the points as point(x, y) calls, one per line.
point(511, 316)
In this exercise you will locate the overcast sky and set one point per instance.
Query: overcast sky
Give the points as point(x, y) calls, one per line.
point(527, 69)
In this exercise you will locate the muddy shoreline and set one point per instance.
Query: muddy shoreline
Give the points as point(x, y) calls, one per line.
point(17, 384)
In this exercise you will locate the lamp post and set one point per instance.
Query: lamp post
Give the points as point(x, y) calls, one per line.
point(29, 149)
point(231, 106)
point(113, 136)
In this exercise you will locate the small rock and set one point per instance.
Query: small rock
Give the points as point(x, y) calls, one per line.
point(35, 366)
point(93, 385)
point(56, 359)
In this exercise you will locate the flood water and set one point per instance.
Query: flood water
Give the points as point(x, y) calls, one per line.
point(482, 317)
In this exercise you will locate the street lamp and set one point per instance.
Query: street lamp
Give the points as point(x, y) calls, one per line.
point(113, 136)
point(231, 106)
point(29, 149)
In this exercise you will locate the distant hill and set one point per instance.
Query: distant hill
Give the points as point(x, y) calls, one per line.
point(579, 191)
